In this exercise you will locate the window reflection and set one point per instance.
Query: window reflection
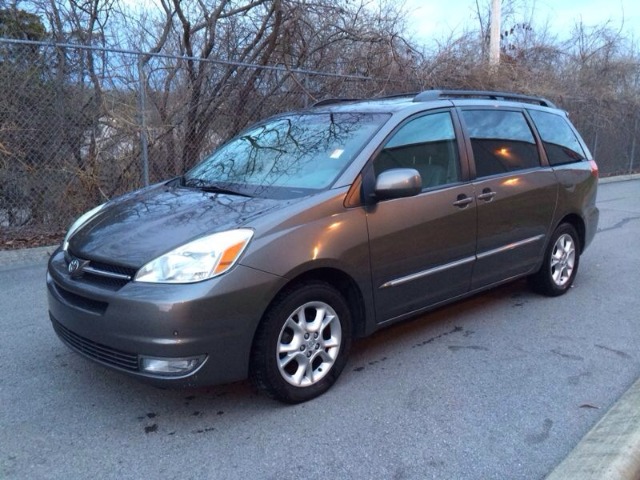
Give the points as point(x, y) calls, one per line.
point(296, 152)
point(560, 143)
point(426, 144)
point(502, 141)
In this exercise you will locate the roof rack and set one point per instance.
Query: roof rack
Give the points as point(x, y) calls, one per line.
point(331, 101)
point(397, 95)
point(437, 94)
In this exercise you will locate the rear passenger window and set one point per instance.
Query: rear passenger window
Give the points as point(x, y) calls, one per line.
point(558, 139)
point(427, 144)
point(502, 141)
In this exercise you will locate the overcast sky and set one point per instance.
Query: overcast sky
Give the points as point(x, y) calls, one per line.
point(436, 19)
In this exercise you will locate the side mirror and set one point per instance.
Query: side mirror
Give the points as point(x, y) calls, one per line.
point(398, 183)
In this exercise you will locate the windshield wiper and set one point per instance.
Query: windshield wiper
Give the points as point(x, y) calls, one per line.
point(211, 188)
point(228, 191)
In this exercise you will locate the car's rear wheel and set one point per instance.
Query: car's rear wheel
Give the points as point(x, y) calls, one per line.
point(560, 264)
point(302, 343)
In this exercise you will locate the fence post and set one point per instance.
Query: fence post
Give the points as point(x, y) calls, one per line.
point(633, 144)
point(142, 105)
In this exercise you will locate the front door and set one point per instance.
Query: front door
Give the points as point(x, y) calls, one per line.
point(422, 248)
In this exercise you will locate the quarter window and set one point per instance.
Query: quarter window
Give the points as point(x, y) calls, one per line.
point(502, 141)
point(427, 144)
point(558, 139)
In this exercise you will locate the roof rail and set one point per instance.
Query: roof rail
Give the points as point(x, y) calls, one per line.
point(437, 94)
point(397, 95)
point(331, 101)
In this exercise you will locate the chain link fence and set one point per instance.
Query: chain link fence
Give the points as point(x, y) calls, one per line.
point(81, 125)
point(611, 129)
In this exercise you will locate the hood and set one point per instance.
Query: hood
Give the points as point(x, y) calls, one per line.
point(139, 227)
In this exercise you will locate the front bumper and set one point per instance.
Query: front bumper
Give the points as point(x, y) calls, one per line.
point(214, 320)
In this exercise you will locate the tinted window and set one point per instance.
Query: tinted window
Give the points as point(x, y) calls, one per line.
point(558, 138)
point(501, 141)
point(426, 144)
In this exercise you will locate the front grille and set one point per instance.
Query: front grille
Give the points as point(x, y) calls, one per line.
point(107, 267)
point(104, 274)
point(101, 353)
point(105, 282)
point(79, 301)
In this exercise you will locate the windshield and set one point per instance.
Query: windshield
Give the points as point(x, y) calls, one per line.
point(292, 155)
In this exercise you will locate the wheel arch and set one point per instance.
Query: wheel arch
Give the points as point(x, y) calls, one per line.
point(578, 223)
point(340, 280)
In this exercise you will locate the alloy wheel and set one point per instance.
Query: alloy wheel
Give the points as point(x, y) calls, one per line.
point(308, 344)
point(563, 259)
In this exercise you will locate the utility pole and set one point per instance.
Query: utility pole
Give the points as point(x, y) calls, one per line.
point(494, 34)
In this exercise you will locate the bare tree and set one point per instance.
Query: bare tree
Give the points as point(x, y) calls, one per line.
point(240, 60)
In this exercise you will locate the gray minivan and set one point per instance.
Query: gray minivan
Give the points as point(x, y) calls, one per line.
point(315, 227)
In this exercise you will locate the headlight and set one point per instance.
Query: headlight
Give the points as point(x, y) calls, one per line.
point(75, 226)
point(201, 259)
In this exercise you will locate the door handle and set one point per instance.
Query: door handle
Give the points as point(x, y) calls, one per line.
point(463, 201)
point(487, 195)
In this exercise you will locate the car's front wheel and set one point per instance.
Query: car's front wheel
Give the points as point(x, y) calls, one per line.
point(302, 343)
point(560, 264)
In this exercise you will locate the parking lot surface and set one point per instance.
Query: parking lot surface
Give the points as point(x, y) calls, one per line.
point(502, 385)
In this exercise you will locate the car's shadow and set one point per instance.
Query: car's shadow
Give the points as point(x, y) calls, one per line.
point(427, 327)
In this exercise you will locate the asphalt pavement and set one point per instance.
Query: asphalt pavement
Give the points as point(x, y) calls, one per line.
point(500, 386)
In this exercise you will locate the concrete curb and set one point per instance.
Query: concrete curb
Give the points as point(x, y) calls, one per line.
point(620, 178)
point(611, 450)
point(25, 256)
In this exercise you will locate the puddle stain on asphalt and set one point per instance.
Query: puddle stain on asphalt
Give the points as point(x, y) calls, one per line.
point(575, 379)
point(620, 353)
point(537, 438)
point(373, 362)
point(455, 348)
point(204, 430)
point(618, 225)
point(437, 337)
point(153, 428)
point(465, 333)
point(567, 355)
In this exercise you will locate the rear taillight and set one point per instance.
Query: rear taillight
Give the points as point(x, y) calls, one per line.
point(594, 168)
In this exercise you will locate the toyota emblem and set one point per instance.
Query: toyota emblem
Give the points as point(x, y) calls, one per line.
point(75, 268)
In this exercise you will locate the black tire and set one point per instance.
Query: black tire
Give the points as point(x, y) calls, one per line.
point(560, 263)
point(297, 364)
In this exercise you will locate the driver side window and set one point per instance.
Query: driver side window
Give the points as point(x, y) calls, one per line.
point(426, 144)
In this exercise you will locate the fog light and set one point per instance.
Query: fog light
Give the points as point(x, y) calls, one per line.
point(171, 366)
